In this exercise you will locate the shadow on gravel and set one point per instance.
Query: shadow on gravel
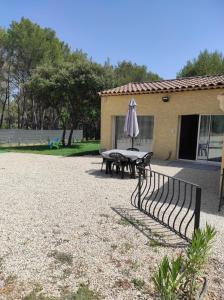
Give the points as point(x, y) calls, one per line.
point(157, 234)
point(101, 174)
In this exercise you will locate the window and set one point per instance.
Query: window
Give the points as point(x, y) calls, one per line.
point(143, 141)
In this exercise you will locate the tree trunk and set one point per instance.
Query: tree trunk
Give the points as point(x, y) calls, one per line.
point(70, 137)
point(63, 136)
point(5, 101)
point(42, 116)
point(18, 112)
point(9, 120)
point(23, 117)
point(33, 115)
point(3, 110)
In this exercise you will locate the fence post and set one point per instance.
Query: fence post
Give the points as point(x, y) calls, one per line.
point(197, 208)
point(221, 191)
point(139, 188)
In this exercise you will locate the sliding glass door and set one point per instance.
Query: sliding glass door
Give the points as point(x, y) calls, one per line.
point(210, 137)
point(203, 137)
point(143, 141)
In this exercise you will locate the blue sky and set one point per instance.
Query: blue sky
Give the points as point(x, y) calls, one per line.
point(160, 34)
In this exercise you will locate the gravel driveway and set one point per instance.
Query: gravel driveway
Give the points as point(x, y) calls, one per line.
point(58, 229)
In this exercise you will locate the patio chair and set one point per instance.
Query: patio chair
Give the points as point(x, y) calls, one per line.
point(120, 162)
point(144, 162)
point(54, 143)
point(133, 149)
point(104, 160)
point(203, 149)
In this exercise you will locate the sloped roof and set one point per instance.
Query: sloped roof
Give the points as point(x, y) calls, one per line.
point(171, 85)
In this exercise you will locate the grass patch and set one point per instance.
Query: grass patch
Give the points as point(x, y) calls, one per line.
point(122, 284)
point(2, 150)
point(35, 296)
point(83, 293)
point(9, 285)
point(138, 283)
point(123, 222)
point(114, 246)
point(62, 257)
point(78, 149)
point(155, 243)
point(66, 273)
point(125, 247)
point(134, 265)
point(104, 216)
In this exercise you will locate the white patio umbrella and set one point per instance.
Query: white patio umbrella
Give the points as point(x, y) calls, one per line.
point(131, 122)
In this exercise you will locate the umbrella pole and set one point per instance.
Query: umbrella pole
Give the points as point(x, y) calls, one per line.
point(132, 142)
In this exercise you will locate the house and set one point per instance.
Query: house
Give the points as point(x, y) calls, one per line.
point(178, 119)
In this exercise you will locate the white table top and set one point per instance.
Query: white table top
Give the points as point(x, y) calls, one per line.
point(133, 155)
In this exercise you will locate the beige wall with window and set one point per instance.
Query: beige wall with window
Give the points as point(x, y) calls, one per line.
point(166, 115)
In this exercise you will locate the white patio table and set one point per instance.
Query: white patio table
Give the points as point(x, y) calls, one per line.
point(132, 155)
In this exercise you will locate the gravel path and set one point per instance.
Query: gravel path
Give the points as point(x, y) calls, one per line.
point(58, 229)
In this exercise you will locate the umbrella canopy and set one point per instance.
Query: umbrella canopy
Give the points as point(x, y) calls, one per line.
point(131, 122)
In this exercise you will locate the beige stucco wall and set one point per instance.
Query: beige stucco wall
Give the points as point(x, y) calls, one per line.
point(166, 115)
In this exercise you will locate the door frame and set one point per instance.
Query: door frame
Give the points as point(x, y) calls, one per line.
point(179, 135)
point(203, 161)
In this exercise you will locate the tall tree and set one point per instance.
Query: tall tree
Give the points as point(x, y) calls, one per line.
point(71, 90)
point(5, 77)
point(43, 84)
point(126, 72)
point(29, 45)
point(205, 64)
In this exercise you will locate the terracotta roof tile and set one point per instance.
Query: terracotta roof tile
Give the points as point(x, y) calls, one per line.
point(172, 85)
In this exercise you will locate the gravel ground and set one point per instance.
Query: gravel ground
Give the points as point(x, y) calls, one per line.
point(60, 227)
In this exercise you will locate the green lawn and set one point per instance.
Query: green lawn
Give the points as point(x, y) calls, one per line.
point(78, 149)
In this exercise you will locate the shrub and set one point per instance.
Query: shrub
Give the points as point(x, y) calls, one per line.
point(178, 278)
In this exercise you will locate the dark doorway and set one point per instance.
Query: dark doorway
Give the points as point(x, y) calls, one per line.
point(188, 137)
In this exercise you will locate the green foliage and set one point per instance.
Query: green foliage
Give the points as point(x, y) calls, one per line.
point(78, 149)
point(177, 279)
point(83, 293)
point(123, 222)
point(138, 283)
point(71, 88)
point(126, 72)
point(205, 64)
point(197, 255)
point(35, 296)
point(155, 243)
point(30, 45)
point(48, 86)
point(167, 278)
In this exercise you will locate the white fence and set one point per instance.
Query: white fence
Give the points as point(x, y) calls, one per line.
point(21, 136)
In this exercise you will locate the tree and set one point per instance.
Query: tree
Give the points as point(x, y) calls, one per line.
point(44, 85)
point(5, 76)
point(126, 72)
point(205, 64)
point(28, 46)
point(71, 90)
point(80, 82)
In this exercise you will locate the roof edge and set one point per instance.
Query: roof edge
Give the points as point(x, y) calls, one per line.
point(161, 91)
point(167, 86)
